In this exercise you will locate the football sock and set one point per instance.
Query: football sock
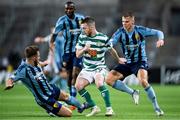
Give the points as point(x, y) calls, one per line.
point(152, 96)
point(63, 84)
point(73, 101)
point(85, 94)
point(105, 94)
point(119, 85)
point(55, 79)
point(73, 91)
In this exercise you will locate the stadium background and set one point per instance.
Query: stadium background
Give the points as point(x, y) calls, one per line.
point(23, 20)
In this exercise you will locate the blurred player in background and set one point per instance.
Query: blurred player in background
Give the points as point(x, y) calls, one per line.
point(54, 60)
point(69, 26)
point(46, 95)
point(132, 39)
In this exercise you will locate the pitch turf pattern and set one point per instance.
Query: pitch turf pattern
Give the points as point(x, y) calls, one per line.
point(18, 104)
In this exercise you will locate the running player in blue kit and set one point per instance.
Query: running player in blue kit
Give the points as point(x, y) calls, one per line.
point(132, 40)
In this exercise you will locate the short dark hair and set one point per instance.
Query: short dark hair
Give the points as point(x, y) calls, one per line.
point(31, 51)
point(88, 20)
point(128, 14)
point(70, 3)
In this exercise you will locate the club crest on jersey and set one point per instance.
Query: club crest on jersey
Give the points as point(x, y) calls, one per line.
point(137, 36)
point(80, 21)
point(92, 53)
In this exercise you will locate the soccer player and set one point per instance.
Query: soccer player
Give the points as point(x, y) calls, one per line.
point(92, 45)
point(132, 39)
point(69, 26)
point(54, 60)
point(46, 95)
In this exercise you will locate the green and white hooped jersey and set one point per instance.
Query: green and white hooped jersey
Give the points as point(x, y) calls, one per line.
point(94, 59)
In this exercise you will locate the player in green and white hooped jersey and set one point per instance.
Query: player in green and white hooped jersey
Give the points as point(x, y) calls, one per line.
point(92, 45)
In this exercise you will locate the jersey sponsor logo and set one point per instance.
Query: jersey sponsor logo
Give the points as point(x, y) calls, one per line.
point(75, 31)
point(132, 46)
point(92, 53)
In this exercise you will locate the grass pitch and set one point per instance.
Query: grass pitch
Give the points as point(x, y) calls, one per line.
point(19, 104)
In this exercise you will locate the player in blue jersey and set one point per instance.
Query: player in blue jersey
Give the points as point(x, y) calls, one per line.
point(69, 26)
point(54, 60)
point(132, 39)
point(46, 95)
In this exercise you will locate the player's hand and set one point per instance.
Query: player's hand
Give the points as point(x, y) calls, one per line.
point(44, 63)
point(38, 39)
point(122, 60)
point(159, 43)
point(9, 84)
point(87, 47)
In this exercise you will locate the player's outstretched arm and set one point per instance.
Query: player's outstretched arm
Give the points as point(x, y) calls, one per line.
point(114, 54)
point(9, 84)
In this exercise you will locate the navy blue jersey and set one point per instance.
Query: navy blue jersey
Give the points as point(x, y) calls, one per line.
point(34, 79)
point(133, 43)
point(70, 29)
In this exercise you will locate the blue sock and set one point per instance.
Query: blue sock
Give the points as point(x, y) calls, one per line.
point(73, 101)
point(152, 96)
point(73, 91)
point(55, 79)
point(119, 85)
point(63, 84)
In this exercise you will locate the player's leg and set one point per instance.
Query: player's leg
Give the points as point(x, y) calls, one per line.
point(75, 72)
point(55, 108)
point(143, 77)
point(68, 67)
point(60, 110)
point(63, 81)
point(70, 100)
point(113, 79)
point(65, 112)
point(99, 81)
point(77, 66)
point(63, 96)
point(83, 80)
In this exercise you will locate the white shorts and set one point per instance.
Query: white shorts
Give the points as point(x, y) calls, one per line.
point(90, 75)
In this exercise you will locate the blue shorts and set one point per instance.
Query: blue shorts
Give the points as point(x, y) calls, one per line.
point(71, 60)
point(131, 68)
point(52, 104)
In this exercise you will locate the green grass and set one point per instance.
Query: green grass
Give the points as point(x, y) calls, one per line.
point(19, 104)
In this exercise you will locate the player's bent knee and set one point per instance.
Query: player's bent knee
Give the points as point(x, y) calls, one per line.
point(79, 87)
point(108, 81)
point(144, 83)
point(99, 83)
point(65, 112)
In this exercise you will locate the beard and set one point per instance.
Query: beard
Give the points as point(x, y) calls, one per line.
point(35, 63)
